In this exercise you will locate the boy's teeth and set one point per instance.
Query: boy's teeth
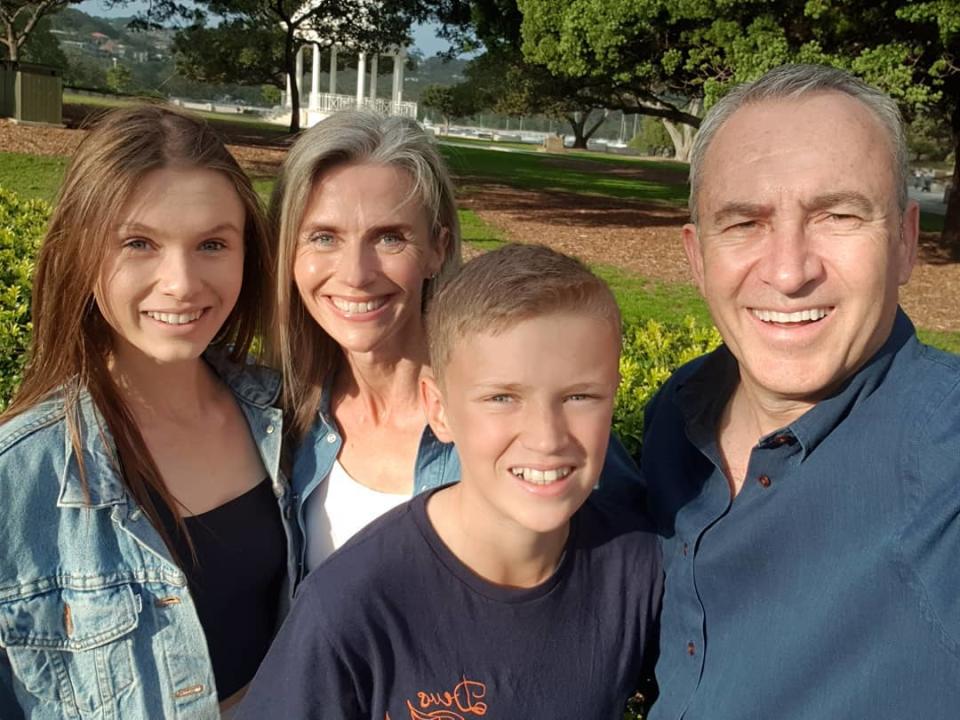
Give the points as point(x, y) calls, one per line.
point(359, 307)
point(793, 317)
point(541, 477)
point(176, 318)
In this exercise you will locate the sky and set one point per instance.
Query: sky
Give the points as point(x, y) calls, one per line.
point(424, 36)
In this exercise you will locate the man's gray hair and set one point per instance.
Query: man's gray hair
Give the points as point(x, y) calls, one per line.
point(790, 82)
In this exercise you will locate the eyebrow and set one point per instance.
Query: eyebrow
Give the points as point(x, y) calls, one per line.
point(823, 201)
point(147, 230)
point(376, 230)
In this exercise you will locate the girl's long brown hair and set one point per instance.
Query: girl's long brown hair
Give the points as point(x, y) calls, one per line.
point(71, 341)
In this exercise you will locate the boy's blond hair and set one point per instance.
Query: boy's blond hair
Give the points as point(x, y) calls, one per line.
point(508, 285)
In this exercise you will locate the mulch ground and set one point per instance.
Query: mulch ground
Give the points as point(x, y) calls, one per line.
point(638, 236)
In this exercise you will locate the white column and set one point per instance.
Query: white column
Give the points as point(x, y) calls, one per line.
point(361, 72)
point(396, 74)
point(300, 74)
point(287, 102)
point(401, 59)
point(374, 69)
point(315, 78)
point(333, 69)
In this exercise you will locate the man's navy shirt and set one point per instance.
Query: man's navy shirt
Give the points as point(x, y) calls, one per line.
point(830, 586)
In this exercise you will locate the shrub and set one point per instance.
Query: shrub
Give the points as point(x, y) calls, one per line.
point(22, 223)
point(651, 352)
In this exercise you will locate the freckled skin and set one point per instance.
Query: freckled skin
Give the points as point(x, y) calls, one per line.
point(798, 210)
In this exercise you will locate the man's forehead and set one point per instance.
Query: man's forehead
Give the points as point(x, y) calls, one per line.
point(821, 142)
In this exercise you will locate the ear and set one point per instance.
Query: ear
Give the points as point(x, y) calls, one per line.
point(431, 401)
point(906, 247)
point(691, 246)
point(441, 245)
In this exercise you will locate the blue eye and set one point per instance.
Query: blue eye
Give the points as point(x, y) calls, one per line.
point(213, 245)
point(321, 239)
point(392, 241)
point(136, 243)
point(501, 398)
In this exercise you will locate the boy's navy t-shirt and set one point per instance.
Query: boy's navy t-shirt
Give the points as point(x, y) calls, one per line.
point(393, 626)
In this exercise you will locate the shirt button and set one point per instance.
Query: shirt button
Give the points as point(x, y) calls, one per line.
point(764, 481)
point(269, 429)
point(691, 649)
point(331, 437)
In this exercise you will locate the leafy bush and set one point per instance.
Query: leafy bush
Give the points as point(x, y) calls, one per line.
point(22, 223)
point(651, 352)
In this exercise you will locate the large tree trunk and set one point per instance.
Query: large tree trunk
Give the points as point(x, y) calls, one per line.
point(950, 236)
point(581, 133)
point(683, 134)
point(290, 60)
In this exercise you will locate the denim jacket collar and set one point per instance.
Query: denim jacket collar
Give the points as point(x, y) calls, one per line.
point(257, 386)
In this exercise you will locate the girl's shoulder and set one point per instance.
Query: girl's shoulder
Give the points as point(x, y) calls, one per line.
point(250, 381)
point(37, 424)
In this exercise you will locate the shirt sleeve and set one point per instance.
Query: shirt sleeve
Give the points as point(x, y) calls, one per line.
point(304, 675)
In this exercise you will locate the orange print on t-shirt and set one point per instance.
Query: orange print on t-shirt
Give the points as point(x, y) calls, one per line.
point(465, 701)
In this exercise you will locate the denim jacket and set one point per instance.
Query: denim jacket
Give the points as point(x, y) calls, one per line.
point(96, 620)
point(437, 464)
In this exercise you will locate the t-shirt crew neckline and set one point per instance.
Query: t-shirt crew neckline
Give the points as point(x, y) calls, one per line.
point(492, 591)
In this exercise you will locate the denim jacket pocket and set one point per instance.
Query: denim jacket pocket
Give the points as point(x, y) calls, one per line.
point(73, 647)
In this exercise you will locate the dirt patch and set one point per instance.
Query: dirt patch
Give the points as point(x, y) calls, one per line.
point(646, 173)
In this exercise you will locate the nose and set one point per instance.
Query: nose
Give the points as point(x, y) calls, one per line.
point(358, 264)
point(790, 260)
point(178, 275)
point(545, 429)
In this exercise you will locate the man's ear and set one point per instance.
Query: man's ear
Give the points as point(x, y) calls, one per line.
point(906, 251)
point(431, 401)
point(691, 246)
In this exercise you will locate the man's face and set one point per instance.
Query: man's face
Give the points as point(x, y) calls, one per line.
point(800, 246)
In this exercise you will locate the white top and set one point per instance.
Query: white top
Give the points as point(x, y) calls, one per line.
point(340, 508)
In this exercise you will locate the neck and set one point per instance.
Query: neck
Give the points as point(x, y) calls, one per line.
point(178, 391)
point(494, 547)
point(762, 413)
point(381, 386)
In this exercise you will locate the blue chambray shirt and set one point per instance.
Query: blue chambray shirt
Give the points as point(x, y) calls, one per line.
point(437, 464)
point(830, 586)
point(96, 620)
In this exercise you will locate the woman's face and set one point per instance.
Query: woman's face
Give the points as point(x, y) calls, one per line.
point(174, 265)
point(364, 250)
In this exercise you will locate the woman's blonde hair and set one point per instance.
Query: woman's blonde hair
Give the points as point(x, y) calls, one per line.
point(305, 352)
point(71, 340)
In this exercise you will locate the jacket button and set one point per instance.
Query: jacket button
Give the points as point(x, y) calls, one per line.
point(331, 437)
point(269, 429)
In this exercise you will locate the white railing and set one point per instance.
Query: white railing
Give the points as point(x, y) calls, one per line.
point(328, 102)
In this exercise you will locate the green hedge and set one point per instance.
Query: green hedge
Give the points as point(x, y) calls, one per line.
point(22, 223)
point(651, 352)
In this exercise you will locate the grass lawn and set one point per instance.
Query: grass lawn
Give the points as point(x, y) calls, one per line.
point(538, 171)
point(32, 176)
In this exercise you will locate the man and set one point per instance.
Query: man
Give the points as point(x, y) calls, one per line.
point(806, 475)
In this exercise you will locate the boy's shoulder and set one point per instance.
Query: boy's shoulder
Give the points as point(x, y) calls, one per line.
point(618, 533)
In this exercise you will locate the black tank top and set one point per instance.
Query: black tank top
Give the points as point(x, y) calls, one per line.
point(236, 580)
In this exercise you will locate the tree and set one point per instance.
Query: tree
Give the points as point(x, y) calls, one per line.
point(20, 19)
point(119, 78)
point(271, 28)
point(449, 100)
point(657, 54)
point(42, 47)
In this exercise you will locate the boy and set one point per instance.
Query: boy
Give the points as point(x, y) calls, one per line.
point(508, 594)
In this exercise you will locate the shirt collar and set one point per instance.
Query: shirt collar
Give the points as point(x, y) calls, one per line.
point(253, 384)
point(704, 394)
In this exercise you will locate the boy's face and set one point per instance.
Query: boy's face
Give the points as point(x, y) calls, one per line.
point(529, 410)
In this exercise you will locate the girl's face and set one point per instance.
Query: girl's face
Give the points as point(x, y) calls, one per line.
point(364, 252)
point(174, 265)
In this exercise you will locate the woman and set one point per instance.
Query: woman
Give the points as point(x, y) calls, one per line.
point(367, 229)
point(143, 553)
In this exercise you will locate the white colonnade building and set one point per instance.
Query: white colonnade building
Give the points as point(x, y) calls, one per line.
point(318, 105)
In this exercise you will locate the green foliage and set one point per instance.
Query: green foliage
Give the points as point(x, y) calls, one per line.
point(42, 46)
point(451, 101)
point(22, 223)
point(928, 137)
point(119, 78)
point(651, 352)
point(652, 138)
